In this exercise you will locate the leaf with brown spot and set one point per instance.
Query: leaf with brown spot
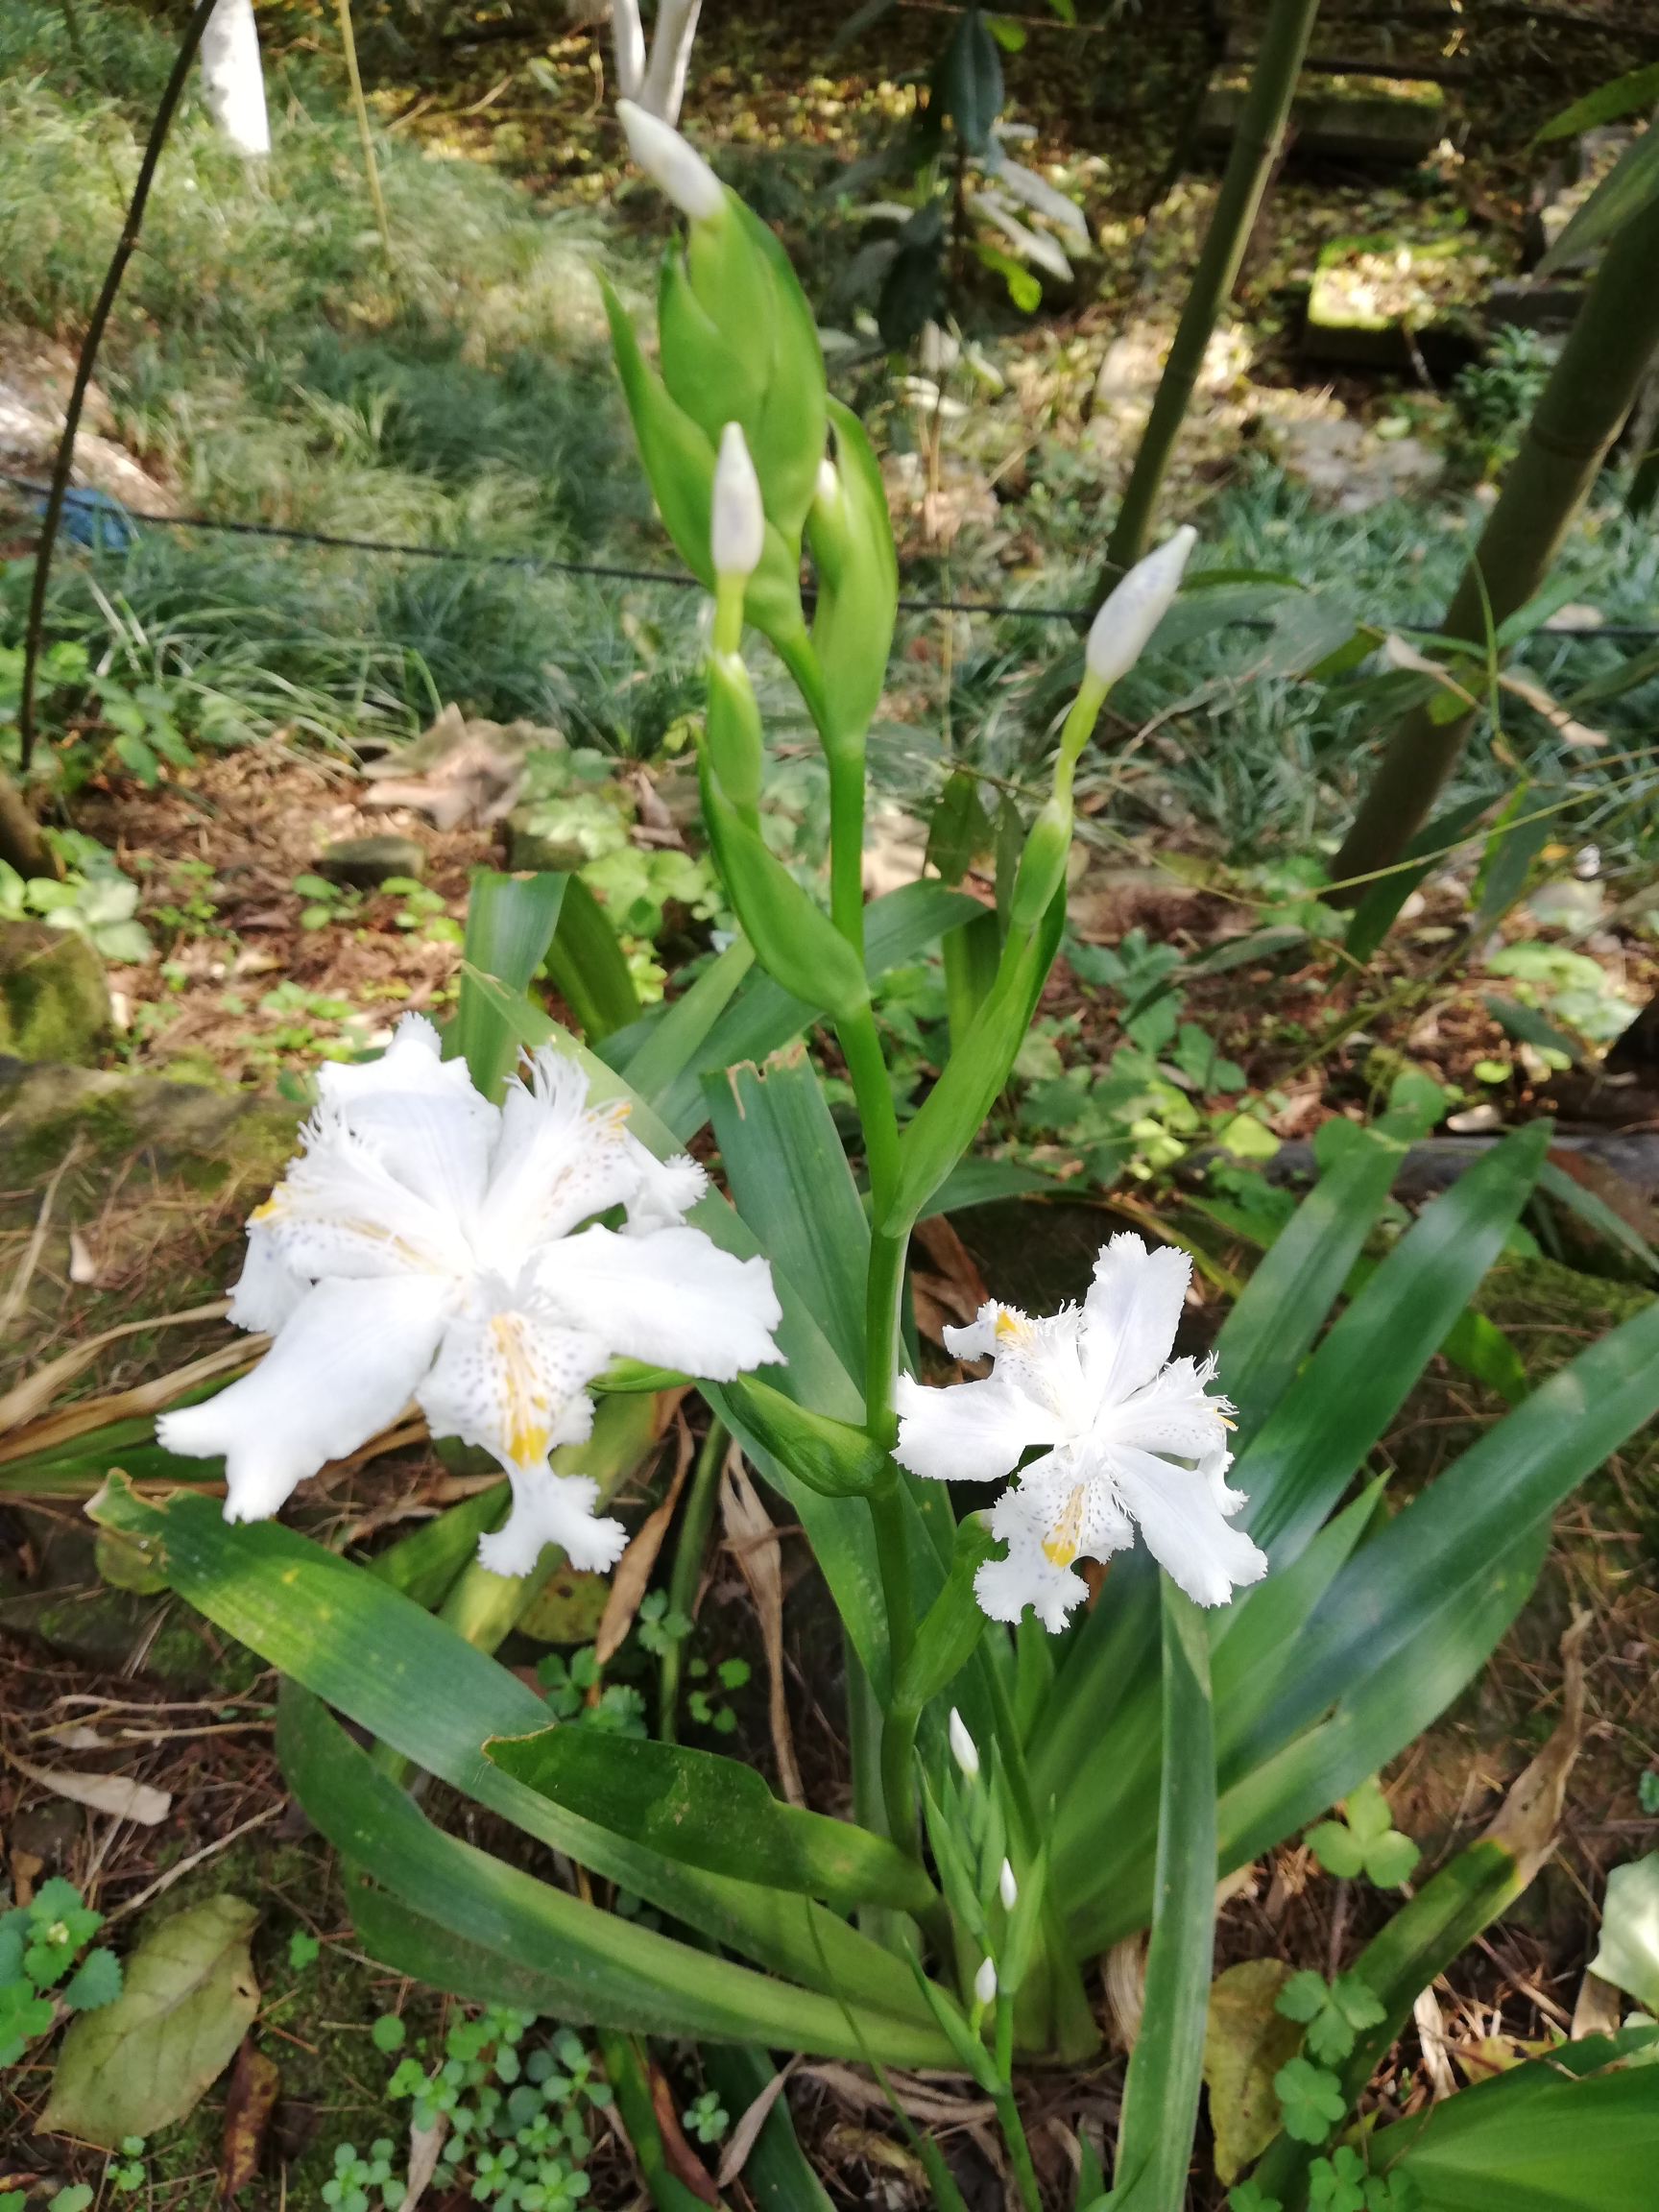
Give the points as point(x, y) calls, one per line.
point(681, 2160)
point(1245, 2043)
point(247, 2107)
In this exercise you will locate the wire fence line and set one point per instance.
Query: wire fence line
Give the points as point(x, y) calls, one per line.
point(119, 514)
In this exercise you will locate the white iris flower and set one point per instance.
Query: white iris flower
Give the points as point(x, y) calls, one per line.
point(427, 1243)
point(1134, 1439)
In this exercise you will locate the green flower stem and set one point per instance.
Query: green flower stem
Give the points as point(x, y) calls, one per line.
point(861, 1049)
point(898, 1756)
point(884, 1285)
point(846, 765)
point(729, 612)
point(1019, 2149)
point(694, 1524)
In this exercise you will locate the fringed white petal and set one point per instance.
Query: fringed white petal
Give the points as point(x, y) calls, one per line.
point(267, 1290)
point(1131, 1314)
point(549, 1508)
point(671, 1298)
point(558, 1163)
point(509, 1380)
point(340, 1210)
point(967, 1432)
point(667, 1188)
point(1184, 1532)
point(342, 1368)
point(1028, 1575)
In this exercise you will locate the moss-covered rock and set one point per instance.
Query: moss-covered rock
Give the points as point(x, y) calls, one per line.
point(53, 1003)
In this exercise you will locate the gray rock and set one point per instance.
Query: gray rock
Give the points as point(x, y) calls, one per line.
point(53, 1003)
point(366, 862)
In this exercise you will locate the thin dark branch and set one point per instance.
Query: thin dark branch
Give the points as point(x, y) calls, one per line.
point(89, 344)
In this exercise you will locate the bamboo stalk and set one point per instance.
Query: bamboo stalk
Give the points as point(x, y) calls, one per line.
point(1249, 164)
point(360, 108)
point(1591, 391)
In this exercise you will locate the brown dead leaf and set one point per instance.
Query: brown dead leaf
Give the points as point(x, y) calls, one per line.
point(920, 2100)
point(25, 1865)
point(735, 2155)
point(424, 2145)
point(955, 1291)
point(1245, 2043)
point(753, 1538)
point(111, 1794)
point(632, 1575)
point(682, 2161)
point(248, 2103)
point(123, 1405)
point(1527, 1821)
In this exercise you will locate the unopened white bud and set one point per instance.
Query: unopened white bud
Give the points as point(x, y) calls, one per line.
point(1134, 611)
point(738, 523)
point(985, 1981)
point(828, 488)
point(673, 165)
point(1007, 1889)
point(963, 1749)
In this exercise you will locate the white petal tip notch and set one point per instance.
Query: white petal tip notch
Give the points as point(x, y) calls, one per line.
point(1126, 622)
point(1134, 1441)
point(430, 1245)
point(738, 522)
point(672, 163)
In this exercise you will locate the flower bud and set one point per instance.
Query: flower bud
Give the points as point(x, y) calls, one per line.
point(737, 521)
point(673, 165)
point(985, 1981)
point(1007, 1889)
point(963, 1749)
point(1135, 608)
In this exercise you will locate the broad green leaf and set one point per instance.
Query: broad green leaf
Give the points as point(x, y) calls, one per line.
point(589, 967)
point(146, 2059)
point(425, 1563)
point(1267, 1336)
point(1620, 96)
point(1379, 908)
point(763, 1017)
point(1481, 1348)
point(1165, 2067)
point(788, 1171)
point(952, 1625)
point(953, 1110)
point(511, 921)
point(427, 1693)
point(1505, 1485)
point(1535, 2139)
point(1306, 1452)
point(959, 829)
point(968, 81)
point(1623, 196)
point(1628, 1956)
point(591, 1965)
point(673, 1042)
point(1596, 1213)
point(711, 1811)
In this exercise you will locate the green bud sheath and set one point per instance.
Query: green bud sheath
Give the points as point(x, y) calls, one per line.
point(1042, 864)
point(713, 380)
point(734, 734)
point(852, 543)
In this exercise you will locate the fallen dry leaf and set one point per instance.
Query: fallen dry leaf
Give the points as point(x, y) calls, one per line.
point(632, 1575)
point(754, 1541)
point(682, 2161)
point(424, 2145)
point(249, 2102)
point(37, 1391)
point(735, 2155)
point(111, 1794)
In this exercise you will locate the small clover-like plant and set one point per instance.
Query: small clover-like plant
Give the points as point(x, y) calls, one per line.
point(125, 2173)
point(1365, 1840)
point(707, 2118)
point(657, 1628)
point(730, 1674)
point(1340, 2183)
point(1334, 2011)
point(303, 1950)
point(39, 1943)
point(388, 2033)
point(1647, 1791)
point(1311, 2100)
point(1249, 2197)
